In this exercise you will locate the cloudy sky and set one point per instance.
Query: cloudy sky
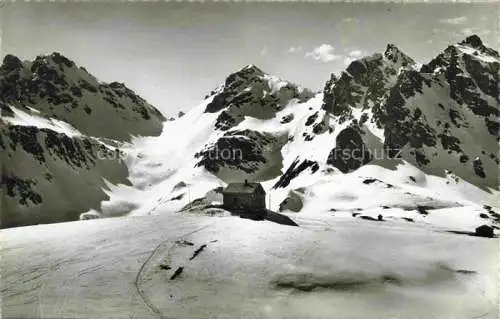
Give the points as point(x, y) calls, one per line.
point(172, 54)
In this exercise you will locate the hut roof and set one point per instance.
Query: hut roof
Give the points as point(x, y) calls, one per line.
point(243, 188)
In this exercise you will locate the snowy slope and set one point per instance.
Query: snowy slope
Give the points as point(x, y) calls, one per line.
point(328, 267)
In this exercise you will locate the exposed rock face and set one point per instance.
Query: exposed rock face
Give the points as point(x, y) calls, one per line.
point(350, 152)
point(406, 126)
point(472, 71)
point(294, 170)
point(364, 83)
point(398, 58)
point(478, 167)
point(243, 153)
point(47, 176)
point(442, 114)
point(58, 88)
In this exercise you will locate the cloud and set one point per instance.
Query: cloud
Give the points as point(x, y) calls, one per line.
point(456, 20)
point(348, 60)
point(353, 55)
point(294, 49)
point(356, 53)
point(467, 31)
point(263, 51)
point(323, 53)
point(470, 31)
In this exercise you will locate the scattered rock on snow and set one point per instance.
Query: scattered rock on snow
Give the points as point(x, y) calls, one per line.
point(369, 180)
point(179, 185)
point(177, 272)
point(178, 197)
point(293, 202)
point(478, 167)
point(485, 231)
point(184, 242)
point(287, 118)
point(165, 266)
point(423, 210)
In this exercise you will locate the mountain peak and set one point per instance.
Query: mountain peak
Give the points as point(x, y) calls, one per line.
point(11, 62)
point(248, 73)
point(251, 69)
point(473, 41)
point(251, 92)
point(56, 87)
point(57, 58)
point(251, 66)
point(394, 54)
point(391, 47)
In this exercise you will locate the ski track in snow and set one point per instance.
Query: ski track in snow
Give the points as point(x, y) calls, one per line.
point(66, 277)
point(147, 302)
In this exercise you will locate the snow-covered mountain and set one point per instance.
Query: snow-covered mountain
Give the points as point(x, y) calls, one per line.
point(60, 132)
point(387, 172)
point(443, 116)
point(58, 88)
point(386, 134)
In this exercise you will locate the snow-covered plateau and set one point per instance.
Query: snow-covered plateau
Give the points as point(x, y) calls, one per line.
point(330, 267)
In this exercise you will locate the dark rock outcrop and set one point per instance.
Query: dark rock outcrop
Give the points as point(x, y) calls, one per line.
point(485, 231)
point(48, 177)
point(294, 170)
point(350, 152)
point(243, 152)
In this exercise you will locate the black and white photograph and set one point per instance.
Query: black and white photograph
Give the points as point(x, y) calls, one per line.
point(232, 159)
